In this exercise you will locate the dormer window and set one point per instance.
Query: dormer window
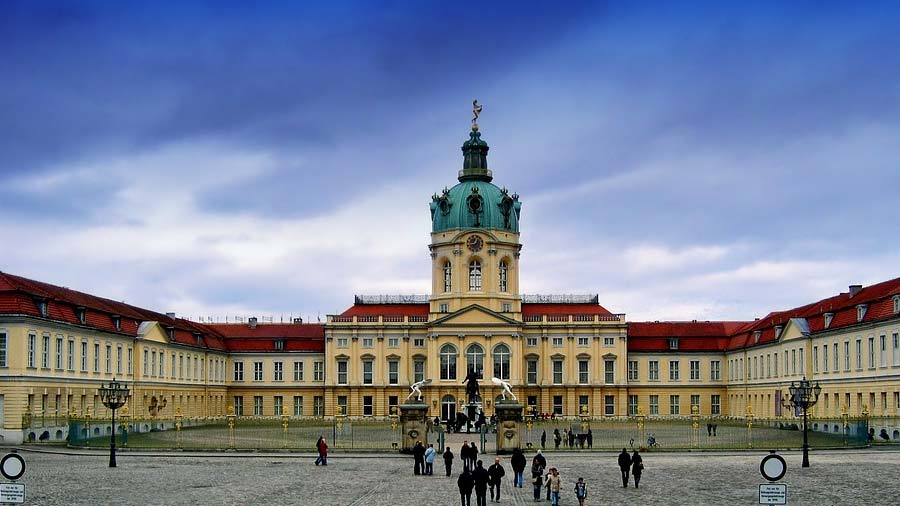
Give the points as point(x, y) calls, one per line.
point(279, 345)
point(199, 338)
point(861, 312)
point(896, 304)
point(117, 321)
point(673, 343)
point(80, 314)
point(756, 334)
point(171, 332)
point(778, 330)
point(41, 306)
point(828, 318)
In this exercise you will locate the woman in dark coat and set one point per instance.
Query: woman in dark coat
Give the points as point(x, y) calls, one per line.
point(637, 468)
point(518, 466)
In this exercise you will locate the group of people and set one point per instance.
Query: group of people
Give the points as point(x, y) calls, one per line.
point(424, 459)
point(568, 438)
point(633, 463)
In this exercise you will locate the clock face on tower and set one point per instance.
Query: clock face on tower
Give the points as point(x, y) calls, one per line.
point(474, 243)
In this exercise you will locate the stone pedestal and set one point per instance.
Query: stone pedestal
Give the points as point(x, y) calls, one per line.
point(413, 425)
point(509, 425)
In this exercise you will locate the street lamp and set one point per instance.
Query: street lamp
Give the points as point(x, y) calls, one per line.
point(113, 396)
point(804, 396)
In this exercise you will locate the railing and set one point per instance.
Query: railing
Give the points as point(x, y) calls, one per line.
point(378, 319)
point(556, 318)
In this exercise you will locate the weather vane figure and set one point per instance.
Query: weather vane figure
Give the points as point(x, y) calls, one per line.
point(476, 110)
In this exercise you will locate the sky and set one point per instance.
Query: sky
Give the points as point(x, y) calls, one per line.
point(683, 160)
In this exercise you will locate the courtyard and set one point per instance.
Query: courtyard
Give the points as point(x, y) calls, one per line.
point(69, 477)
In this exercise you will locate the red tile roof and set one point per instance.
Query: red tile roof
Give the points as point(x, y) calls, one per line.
point(564, 309)
point(387, 310)
point(692, 336)
point(303, 337)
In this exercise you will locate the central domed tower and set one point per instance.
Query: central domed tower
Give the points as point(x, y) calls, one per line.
point(475, 239)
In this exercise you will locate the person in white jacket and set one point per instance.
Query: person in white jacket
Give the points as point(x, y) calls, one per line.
point(429, 460)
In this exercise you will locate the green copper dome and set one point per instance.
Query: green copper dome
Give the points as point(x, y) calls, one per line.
point(475, 202)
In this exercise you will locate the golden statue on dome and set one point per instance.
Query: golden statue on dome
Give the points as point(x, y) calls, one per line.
point(476, 110)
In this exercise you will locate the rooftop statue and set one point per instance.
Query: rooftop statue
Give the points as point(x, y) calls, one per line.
point(476, 110)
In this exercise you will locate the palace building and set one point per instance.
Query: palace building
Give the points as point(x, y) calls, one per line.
point(566, 355)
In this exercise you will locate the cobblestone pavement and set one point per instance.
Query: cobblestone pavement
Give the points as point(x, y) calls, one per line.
point(867, 477)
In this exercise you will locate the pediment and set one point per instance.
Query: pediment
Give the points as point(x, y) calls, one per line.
point(475, 315)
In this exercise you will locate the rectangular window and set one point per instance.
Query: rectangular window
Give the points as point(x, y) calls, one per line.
point(45, 354)
point(583, 367)
point(674, 405)
point(162, 363)
point(557, 372)
point(343, 342)
point(609, 371)
point(152, 363)
point(695, 369)
point(318, 405)
point(531, 341)
point(859, 354)
point(609, 342)
point(825, 358)
point(393, 372)
point(444, 307)
point(298, 405)
point(673, 343)
point(673, 370)
point(557, 341)
point(896, 341)
point(418, 370)
point(318, 371)
point(2, 349)
point(367, 372)
point(583, 404)
point(96, 357)
point(84, 356)
point(715, 372)
point(836, 361)
point(278, 404)
point(793, 361)
point(70, 357)
point(507, 307)
point(278, 371)
point(257, 370)
point(174, 362)
point(342, 372)
point(653, 370)
point(558, 404)
point(32, 349)
point(146, 368)
point(393, 404)
point(871, 352)
point(108, 359)
point(393, 342)
point(59, 352)
point(238, 405)
point(257, 405)
point(654, 404)
point(632, 405)
point(632, 370)
point(715, 407)
point(695, 402)
point(342, 405)
point(367, 405)
point(368, 342)
point(238, 371)
point(583, 341)
point(609, 405)
point(298, 371)
point(846, 355)
point(800, 354)
point(816, 360)
point(775, 363)
point(531, 368)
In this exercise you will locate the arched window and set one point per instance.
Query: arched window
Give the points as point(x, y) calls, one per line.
point(448, 362)
point(448, 276)
point(501, 361)
point(475, 276)
point(475, 358)
point(503, 273)
point(448, 408)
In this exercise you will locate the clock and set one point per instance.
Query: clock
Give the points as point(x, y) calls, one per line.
point(474, 243)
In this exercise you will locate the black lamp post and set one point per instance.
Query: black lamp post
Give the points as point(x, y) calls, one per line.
point(804, 396)
point(113, 396)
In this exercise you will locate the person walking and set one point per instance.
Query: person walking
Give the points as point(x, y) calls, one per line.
point(448, 460)
point(637, 468)
point(565, 437)
point(580, 491)
point(554, 484)
point(473, 453)
point(481, 477)
point(322, 448)
point(571, 439)
point(465, 482)
point(464, 455)
point(543, 460)
point(547, 482)
point(429, 460)
point(517, 461)
point(537, 474)
point(495, 478)
point(557, 438)
point(418, 458)
point(590, 438)
point(544, 439)
point(624, 466)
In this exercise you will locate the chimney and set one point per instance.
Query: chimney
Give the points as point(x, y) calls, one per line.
point(252, 322)
point(854, 289)
point(171, 315)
